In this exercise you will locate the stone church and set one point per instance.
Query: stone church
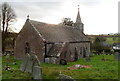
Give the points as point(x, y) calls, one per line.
point(53, 43)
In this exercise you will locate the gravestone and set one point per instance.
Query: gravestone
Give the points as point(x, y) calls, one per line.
point(91, 54)
point(103, 53)
point(30, 64)
point(37, 70)
point(63, 77)
point(7, 62)
point(7, 59)
point(25, 62)
point(53, 60)
point(46, 60)
point(117, 56)
point(87, 58)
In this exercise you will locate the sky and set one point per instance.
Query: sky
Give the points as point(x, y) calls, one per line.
point(98, 16)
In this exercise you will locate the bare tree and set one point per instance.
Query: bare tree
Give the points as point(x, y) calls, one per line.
point(8, 16)
point(0, 37)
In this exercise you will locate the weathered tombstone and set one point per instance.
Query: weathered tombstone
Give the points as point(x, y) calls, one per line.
point(87, 58)
point(46, 60)
point(53, 60)
point(37, 71)
point(25, 62)
point(63, 77)
point(103, 59)
point(7, 59)
point(7, 62)
point(29, 65)
point(91, 54)
point(63, 62)
point(117, 56)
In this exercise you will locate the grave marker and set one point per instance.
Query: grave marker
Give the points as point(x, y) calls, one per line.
point(87, 58)
point(25, 62)
point(117, 56)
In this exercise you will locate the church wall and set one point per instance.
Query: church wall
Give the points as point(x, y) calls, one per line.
point(28, 34)
point(80, 47)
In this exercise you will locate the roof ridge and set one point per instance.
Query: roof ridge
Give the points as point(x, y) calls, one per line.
point(36, 30)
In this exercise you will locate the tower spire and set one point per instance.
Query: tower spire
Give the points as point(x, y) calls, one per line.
point(78, 19)
point(78, 24)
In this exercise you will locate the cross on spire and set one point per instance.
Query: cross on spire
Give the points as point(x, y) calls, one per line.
point(28, 17)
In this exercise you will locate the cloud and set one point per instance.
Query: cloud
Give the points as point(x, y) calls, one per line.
point(35, 9)
point(99, 15)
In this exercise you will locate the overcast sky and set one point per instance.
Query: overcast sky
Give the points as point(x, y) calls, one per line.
point(98, 16)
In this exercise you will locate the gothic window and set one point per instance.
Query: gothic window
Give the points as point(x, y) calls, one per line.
point(27, 48)
point(81, 51)
point(65, 54)
point(84, 52)
point(86, 48)
point(76, 54)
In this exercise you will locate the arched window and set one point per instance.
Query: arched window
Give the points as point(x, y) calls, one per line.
point(27, 48)
point(76, 54)
point(81, 51)
point(84, 52)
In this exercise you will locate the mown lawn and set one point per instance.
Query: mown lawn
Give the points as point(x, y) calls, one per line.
point(100, 69)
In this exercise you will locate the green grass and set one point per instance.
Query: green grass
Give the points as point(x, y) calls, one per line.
point(100, 69)
point(112, 40)
point(14, 73)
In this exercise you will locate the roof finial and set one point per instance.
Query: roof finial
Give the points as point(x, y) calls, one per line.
point(28, 17)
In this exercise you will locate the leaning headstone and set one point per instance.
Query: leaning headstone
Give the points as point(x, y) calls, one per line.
point(117, 55)
point(63, 77)
point(25, 62)
point(29, 65)
point(37, 71)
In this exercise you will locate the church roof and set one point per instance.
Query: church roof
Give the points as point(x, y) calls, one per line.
point(58, 33)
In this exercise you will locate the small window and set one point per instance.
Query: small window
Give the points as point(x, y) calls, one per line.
point(81, 50)
point(27, 48)
point(65, 54)
point(76, 54)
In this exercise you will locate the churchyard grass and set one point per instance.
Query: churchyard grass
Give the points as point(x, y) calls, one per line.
point(100, 69)
point(14, 73)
